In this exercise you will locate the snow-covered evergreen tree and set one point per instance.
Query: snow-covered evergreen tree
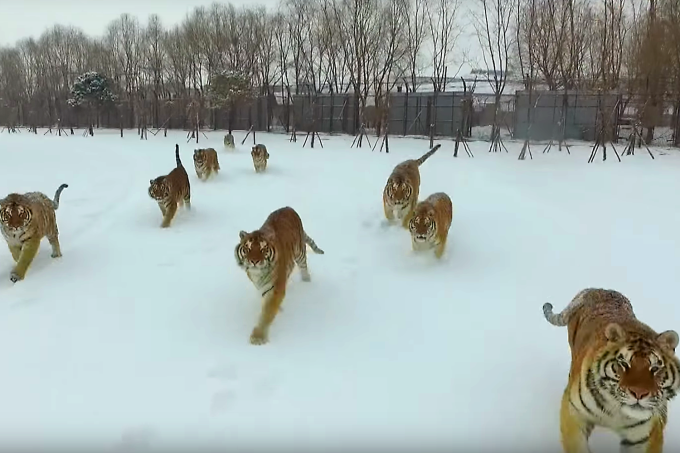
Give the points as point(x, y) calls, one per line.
point(91, 87)
point(229, 88)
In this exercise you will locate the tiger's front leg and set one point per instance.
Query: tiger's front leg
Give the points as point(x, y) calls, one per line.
point(170, 212)
point(162, 207)
point(15, 250)
point(574, 431)
point(270, 308)
point(28, 252)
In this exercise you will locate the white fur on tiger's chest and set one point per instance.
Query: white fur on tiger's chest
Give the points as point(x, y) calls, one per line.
point(260, 276)
point(13, 237)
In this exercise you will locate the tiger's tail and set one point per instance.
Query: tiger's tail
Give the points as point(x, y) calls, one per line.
point(177, 159)
point(562, 319)
point(310, 242)
point(57, 194)
point(427, 155)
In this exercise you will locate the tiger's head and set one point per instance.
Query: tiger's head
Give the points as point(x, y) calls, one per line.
point(15, 214)
point(399, 190)
point(423, 224)
point(640, 372)
point(158, 189)
point(199, 156)
point(254, 250)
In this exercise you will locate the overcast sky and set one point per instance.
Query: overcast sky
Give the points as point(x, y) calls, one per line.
point(24, 18)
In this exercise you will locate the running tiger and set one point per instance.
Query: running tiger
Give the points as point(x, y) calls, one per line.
point(206, 163)
point(171, 190)
point(229, 141)
point(622, 373)
point(260, 157)
point(400, 195)
point(24, 220)
point(429, 226)
point(268, 256)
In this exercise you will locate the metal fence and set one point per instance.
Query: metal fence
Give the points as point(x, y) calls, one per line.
point(554, 114)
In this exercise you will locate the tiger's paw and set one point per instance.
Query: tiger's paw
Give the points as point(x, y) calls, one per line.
point(56, 255)
point(258, 337)
point(305, 276)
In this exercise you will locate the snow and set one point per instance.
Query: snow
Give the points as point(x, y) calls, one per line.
point(138, 336)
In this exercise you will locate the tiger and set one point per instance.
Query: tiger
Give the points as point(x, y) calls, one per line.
point(24, 220)
point(229, 141)
point(400, 195)
point(430, 223)
point(260, 157)
point(206, 163)
point(268, 256)
point(622, 373)
point(171, 190)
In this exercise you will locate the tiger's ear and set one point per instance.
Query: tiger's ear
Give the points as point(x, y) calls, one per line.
point(614, 333)
point(668, 339)
point(242, 234)
point(150, 181)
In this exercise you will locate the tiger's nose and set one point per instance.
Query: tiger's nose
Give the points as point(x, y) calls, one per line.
point(639, 393)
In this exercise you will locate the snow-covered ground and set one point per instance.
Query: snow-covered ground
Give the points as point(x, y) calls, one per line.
point(138, 336)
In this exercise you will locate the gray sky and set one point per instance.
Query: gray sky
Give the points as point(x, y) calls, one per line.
point(25, 18)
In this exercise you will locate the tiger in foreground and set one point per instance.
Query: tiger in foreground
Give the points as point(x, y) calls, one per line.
point(206, 163)
point(622, 373)
point(229, 141)
point(24, 220)
point(171, 190)
point(260, 157)
point(400, 195)
point(430, 223)
point(268, 256)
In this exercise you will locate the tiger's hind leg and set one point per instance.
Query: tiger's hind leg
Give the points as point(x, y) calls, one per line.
point(301, 261)
point(15, 250)
point(28, 252)
point(187, 199)
point(574, 431)
point(53, 239)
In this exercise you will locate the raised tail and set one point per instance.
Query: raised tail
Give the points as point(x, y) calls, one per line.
point(428, 154)
point(57, 194)
point(310, 242)
point(179, 161)
point(562, 319)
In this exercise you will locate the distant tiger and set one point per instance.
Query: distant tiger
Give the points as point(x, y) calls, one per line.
point(622, 373)
point(268, 256)
point(229, 141)
point(429, 226)
point(24, 220)
point(260, 157)
point(206, 163)
point(171, 190)
point(400, 195)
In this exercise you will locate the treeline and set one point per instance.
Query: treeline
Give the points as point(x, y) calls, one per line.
point(363, 47)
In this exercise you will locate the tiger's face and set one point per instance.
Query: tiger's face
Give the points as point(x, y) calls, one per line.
point(158, 189)
point(199, 156)
point(259, 152)
point(399, 191)
point(641, 374)
point(14, 216)
point(254, 251)
point(422, 225)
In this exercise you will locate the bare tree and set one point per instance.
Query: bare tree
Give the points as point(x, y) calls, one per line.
point(443, 32)
point(416, 32)
point(495, 38)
